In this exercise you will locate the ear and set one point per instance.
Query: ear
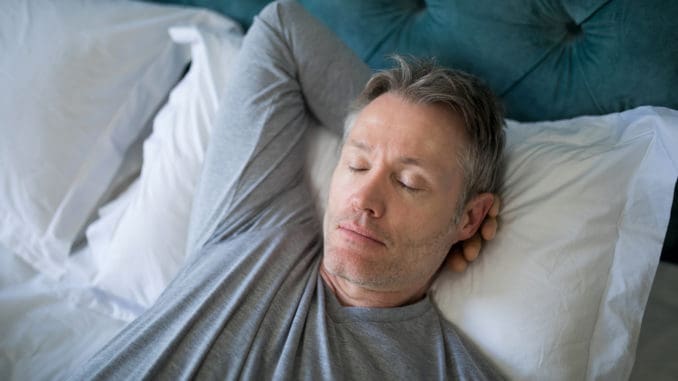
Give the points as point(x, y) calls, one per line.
point(474, 215)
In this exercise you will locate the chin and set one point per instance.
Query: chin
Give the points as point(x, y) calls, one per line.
point(357, 267)
point(346, 264)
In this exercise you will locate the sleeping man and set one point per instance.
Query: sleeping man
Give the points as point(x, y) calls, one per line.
point(269, 292)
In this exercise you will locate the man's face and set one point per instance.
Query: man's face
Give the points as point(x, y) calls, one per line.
point(393, 196)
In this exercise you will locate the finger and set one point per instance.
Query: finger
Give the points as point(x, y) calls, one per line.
point(489, 229)
point(457, 262)
point(455, 250)
point(471, 248)
point(494, 210)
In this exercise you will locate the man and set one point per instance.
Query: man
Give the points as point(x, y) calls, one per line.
point(264, 295)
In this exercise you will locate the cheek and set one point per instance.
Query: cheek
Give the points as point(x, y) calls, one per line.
point(335, 192)
point(425, 223)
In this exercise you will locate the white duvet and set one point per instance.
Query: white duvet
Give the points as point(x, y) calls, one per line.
point(44, 335)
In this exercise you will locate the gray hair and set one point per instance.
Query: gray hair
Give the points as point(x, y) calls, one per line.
point(423, 82)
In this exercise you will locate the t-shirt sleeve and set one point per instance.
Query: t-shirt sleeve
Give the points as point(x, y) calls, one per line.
point(291, 73)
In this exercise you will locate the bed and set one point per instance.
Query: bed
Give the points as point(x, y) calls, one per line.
point(106, 113)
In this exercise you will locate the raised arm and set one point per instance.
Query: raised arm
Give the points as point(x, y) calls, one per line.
point(291, 73)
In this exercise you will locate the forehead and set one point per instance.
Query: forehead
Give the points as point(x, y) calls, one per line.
point(430, 133)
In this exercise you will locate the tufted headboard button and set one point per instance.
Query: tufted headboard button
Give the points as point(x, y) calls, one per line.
point(574, 30)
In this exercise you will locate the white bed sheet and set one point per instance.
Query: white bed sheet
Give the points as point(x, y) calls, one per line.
point(43, 334)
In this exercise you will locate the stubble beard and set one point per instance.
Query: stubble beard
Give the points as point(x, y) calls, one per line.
point(393, 274)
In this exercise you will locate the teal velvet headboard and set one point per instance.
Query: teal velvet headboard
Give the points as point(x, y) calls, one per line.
point(546, 59)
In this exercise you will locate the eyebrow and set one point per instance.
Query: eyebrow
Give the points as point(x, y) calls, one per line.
point(367, 148)
point(360, 145)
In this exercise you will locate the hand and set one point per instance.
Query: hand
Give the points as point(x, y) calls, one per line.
point(467, 251)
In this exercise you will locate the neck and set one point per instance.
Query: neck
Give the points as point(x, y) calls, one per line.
point(354, 295)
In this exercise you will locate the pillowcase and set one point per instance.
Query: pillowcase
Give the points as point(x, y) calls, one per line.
point(139, 241)
point(80, 80)
point(559, 294)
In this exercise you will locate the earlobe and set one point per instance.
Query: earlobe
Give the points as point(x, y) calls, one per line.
point(474, 214)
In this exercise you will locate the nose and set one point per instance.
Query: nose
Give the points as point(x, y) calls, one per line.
point(369, 196)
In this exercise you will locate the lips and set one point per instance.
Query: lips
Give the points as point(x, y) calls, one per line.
point(361, 233)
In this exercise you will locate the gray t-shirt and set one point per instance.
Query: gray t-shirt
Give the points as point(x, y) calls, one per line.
point(249, 303)
point(254, 307)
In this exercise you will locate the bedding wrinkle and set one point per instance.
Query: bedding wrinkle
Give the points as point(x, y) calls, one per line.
point(613, 302)
point(171, 156)
point(24, 18)
point(97, 94)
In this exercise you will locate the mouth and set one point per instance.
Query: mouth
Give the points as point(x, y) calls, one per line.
point(359, 233)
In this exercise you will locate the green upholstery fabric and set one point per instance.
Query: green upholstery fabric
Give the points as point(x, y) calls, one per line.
point(547, 59)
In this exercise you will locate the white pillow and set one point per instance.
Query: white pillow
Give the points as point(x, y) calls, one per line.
point(139, 241)
point(559, 294)
point(80, 80)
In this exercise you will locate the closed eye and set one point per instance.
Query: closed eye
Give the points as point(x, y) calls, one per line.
point(356, 169)
point(407, 187)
